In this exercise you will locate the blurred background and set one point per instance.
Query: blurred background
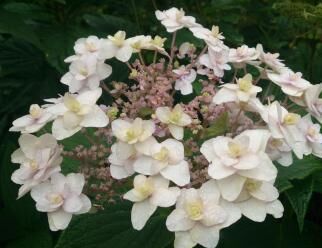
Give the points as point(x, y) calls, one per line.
point(36, 36)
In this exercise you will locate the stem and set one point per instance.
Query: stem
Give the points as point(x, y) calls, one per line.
point(155, 56)
point(198, 57)
point(128, 65)
point(141, 58)
point(103, 85)
point(235, 123)
point(172, 47)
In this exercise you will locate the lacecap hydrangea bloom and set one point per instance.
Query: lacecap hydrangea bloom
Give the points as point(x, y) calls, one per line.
point(162, 148)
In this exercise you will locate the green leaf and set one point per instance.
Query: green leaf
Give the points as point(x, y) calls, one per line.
point(39, 239)
point(218, 127)
point(112, 228)
point(299, 197)
point(300, 169)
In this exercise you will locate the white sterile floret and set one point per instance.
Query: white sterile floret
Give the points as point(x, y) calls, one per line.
point(290, 82)
point(278, 150)
point(213, 37)
point(243, 155)
point(39, 158)
point(36, 119)
point(157, 43)
point(86, 73)
point(242, 91)
point(76, 111)
point(122, 157)
point(176, 119)
point(132, 131)
point(117, 46)
point(283, 125)
point(166, 158)
point(61, 197)
point(313, 102)
point(148, 194)
point(256, 199)
point(199, 216)
point(91, 44)
point(270, 59)
point(186, 49)
point(243, 55)
point(185, 79)
point(174, 19)
point(311, 131)
point(216, 60)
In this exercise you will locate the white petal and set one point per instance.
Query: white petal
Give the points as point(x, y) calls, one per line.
point(219, 171)
point(86, 204)
point(141, 212)
point(89, 97)
point(163, 114)
point(209, 191)
point(275, 208)
point(230, 187)
point(176, 131)
point(248, 161)
point(59, 220)
point(233, 211)
point(183, 240)
point(120, 172)
point(208, 151)
point(124, 53)
point(165, 197)
point(76, 182)
point(179, 221)
point(104, 70)
point(60, 132)
point(266, 171)
point(18, 156)
point(224, 95)
point(27, 144)
point(266, 192)
point(179, 174)
point(95, 118)
point(206, 236)
point(253, 209)
point(72, 204)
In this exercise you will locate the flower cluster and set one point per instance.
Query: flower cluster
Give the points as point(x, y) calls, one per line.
point(170, 147)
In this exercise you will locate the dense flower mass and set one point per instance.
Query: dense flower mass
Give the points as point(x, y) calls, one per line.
point(195, 128)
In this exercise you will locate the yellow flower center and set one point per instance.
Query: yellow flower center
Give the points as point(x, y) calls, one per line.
point(33, 164)
point(235, 149)
point(312, 132)
point(118, 38)
point(162, 155)
point(252, 185)
point(276, 142)
point(175, 117)
point(245, 83)
point(55, 198)
point(291, 119)
point(35, 111)
point(145, 189)
point(71, 103)
point(194, 210)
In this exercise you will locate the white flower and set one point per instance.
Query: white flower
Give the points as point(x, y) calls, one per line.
point(279, 150)
point(91, 44)
point(75, 112)
point(212, 37)
point(156, 44)
point(216, 61)
point(148, 194)
point(185, 79)
point(33, 122)
point(242, 55)
point(270, 59)
point(255, 198)
point(243, 91)
point(132, 132)
point(175, 118)
point(313, 101)
point(117, 46)
point(86, 73)
point(186, 48)
point(122, 158)
point(199, 216)
point(291, 83)
point(139, 42)
point(282, 125)
point(61, 198)
point(313, 136)
point(174, 19)
point(40, 157)
point(166, 158)
point(244, 155)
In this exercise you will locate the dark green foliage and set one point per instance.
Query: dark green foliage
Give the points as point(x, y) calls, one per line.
point(36, 36)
